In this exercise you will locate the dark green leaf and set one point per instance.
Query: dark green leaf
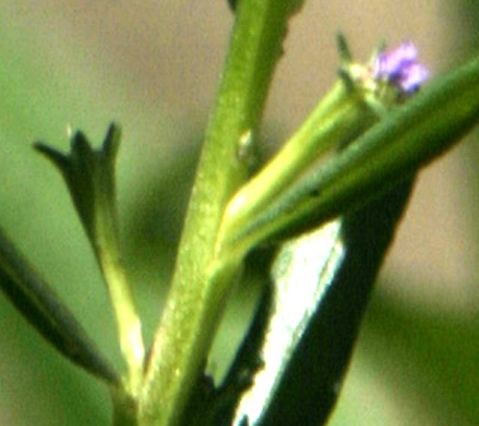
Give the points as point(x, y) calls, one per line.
point(90, 176)
point(41, 307)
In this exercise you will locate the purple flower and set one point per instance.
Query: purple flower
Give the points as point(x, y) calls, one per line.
point(400, 67)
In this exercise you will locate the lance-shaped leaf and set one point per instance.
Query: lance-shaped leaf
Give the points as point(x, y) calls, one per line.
point(304, 332)
point(90, 177)
point(40, 306)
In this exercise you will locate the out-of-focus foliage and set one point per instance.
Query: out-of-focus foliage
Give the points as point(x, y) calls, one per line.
point(412, 366)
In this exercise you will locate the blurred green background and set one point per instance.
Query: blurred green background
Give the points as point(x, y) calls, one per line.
point(153, 67)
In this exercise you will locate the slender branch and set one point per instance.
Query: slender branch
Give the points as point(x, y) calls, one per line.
point(90, 177)
point(199, 285)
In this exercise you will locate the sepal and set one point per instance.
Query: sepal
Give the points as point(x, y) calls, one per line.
point(90, 177)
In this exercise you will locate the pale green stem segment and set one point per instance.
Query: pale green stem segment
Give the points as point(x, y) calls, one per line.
point(128, 321)
point(105, 240)
point(340, 117)
point(125, 408)
point(201, 282)
point(405, 140)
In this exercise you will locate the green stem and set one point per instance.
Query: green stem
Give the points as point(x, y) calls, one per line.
point(125, 408)
point(106, 243)
point(127, 319)
point(339, 118)
point(201, 283)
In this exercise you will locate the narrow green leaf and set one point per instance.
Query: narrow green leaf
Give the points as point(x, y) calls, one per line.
point(40, 306)
point(405, 140)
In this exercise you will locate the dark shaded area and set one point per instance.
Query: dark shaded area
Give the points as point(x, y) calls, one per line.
point(214, 406)
point(311, 384)
point(310, 387)
point(153, 226)
point(232, 4)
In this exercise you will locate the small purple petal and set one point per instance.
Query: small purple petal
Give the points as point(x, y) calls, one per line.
point(391, 63)
point(412, 77)
point(400, 67)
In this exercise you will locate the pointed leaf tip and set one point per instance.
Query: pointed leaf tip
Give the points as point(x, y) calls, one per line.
point(111, 144)
point(344, 51)
point(56, 157)
point(89, 175)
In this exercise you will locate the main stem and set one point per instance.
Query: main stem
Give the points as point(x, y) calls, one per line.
point(201, 282)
